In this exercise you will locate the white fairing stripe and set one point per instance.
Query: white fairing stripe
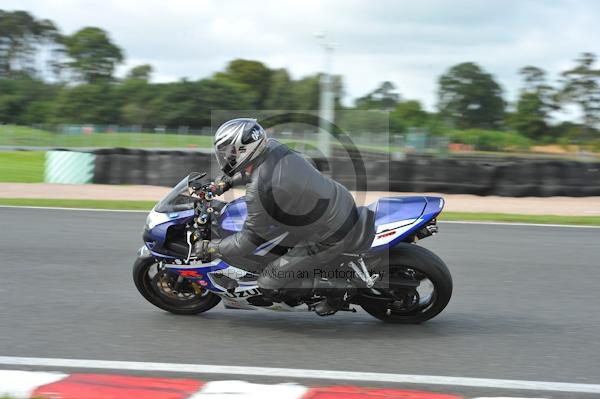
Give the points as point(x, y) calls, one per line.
point(264, 249)
point(155, 218)
point(386, 238)
point(395, 225)
point(194, 264)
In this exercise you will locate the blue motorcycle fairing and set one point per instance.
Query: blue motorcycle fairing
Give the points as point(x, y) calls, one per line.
point(391, 210)
point(157, 224)
point(200, 273)
point(233, 216)
point(396, 217)
point(395, 222)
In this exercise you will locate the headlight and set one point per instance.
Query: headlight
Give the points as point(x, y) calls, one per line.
point(155, 218)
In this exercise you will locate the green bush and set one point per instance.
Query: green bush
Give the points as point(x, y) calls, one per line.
point(491, 140)
point(594, 145)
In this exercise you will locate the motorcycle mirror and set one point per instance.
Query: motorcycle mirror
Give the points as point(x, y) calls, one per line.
point(194, 180)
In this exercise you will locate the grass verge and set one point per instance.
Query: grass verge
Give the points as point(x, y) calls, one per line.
point(78, 203)
point(448, 216)
point(517, 218)
point(11, 135)
point(22, 166)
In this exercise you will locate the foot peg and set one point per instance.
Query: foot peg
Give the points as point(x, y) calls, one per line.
point(363, 273)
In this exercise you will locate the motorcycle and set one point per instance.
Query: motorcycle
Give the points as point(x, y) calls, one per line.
point(388, 275)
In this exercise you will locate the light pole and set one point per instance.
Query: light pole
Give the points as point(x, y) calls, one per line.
point(327, 98)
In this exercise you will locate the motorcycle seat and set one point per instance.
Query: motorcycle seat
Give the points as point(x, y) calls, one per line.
point(364, 230)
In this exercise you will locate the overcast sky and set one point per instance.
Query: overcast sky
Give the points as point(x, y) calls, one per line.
point(407, 42)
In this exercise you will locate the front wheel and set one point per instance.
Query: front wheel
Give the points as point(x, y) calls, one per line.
point(169, 291)
point(416, 286)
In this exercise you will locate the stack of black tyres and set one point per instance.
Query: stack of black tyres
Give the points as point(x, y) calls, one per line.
point(502, 177)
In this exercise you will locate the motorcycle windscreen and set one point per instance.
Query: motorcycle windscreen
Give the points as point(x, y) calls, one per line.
point(177, 200)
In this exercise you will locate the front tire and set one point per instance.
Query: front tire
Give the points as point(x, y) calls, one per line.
point(394, 303)
point(156, 285)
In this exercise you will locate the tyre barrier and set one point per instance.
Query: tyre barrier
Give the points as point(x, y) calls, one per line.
point(508, 177)
point(69, 167)
point(157, 168)
point(517, 180)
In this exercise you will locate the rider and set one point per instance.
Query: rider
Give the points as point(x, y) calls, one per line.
point(289, 203)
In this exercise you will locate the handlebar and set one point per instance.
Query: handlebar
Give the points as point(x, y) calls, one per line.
point(201, 227)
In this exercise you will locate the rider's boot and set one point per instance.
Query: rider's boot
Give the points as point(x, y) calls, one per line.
point(330, 306)
point(336, 291)
point(288, 291)
point(281, 279)
point(271, 295)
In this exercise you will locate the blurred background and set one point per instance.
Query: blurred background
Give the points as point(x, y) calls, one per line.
point(479, 84)
point(144, 75)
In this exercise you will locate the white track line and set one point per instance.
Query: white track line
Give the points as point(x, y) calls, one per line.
point(573, 226)
point(56, 208)
point(21, 384)
point(518, 224)
point(243, 389)
point(303, 373)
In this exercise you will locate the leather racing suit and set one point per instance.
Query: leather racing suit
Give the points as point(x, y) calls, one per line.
point(291, 204)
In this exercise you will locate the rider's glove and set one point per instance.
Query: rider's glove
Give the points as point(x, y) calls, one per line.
point(221, 185)
point(213, 248)
point(207, 250)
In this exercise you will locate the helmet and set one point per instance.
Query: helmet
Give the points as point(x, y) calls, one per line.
point(237, 143)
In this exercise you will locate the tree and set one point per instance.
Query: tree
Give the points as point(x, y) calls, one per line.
point(87, 103)
point(94, 56)
point(362, 122)
point(305, 93)
point(21, 36)
point(254, 75)
point(581, 85)
point(384, 98)
point(530, 116)
point(25, 100)
point(408, 114)
point(280, 91)
point(470, 97)
point(534, 79)
point(140, 72)
point(133, 97)
point(535, 103)
point(188, 103)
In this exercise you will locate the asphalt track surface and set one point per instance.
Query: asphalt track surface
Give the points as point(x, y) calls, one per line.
point(525, 306)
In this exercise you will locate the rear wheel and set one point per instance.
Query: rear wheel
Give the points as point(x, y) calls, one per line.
point(169, 291)
point(415, 287)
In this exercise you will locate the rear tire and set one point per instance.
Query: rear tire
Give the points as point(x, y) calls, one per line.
point(424, 263)
point(148, 287)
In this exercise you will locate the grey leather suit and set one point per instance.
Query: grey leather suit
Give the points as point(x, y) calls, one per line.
point(291, 203)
